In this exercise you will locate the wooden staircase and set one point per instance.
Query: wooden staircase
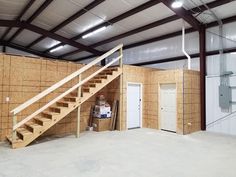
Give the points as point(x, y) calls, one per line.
point(39, 122)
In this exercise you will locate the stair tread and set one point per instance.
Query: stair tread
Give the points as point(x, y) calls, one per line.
point(51, 113)
point(18, 140)
point(70, 97)
point(43, 119)
point(32, 124)
point(58, 107)
point(24, 131)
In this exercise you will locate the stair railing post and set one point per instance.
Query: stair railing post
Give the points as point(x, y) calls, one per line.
point(121, 89)
point(78, 109)
point(14, 122)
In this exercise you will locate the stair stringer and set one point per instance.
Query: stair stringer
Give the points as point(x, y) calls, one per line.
point(72, 107)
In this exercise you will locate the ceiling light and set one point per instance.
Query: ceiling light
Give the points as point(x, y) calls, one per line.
point(233, 53)
point(94, 32)
point(56, 49)
point(177, 4)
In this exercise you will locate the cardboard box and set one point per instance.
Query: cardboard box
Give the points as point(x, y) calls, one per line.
point(99, 115)
point(101, 124)
point(102, 111)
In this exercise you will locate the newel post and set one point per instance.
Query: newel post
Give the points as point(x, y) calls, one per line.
point(78, 109)
point(14, 122)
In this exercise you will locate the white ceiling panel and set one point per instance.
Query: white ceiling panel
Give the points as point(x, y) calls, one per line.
point(98, 15)
point(147, 16)
point(13, 30)
point(220, 12)
point(2, 30)
point(54, 15)
point(82, 24)
point(32, 9)
point(189, 4)
point(9, 10)
point(79, 55)
point(45, 44)
point(25, 37)
point(10, 50)
point(164, 29)
point(125, 41)
point(111, 8)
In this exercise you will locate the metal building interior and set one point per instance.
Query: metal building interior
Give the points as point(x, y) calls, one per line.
point(117, 88)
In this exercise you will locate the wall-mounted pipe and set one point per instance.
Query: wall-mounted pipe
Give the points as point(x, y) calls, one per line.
point(183, 47)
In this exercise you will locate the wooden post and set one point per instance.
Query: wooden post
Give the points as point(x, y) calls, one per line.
point(14, 131)
point(121, 90)
point(78, 110)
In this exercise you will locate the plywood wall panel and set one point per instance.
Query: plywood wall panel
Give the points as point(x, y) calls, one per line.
point(24, 77)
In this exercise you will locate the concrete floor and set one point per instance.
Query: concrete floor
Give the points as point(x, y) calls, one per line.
point(133, 153)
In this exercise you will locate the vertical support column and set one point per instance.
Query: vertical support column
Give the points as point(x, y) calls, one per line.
point(78, 110)
point(14, 131)
point(4, 49)
point(202, 42)
point(121, 89)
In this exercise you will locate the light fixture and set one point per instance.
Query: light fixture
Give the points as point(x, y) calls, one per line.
point(56, 49)
point(233, 53)
point(177, 4)
point(94, 32)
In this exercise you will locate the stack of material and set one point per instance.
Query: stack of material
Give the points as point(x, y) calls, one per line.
point(102, 109)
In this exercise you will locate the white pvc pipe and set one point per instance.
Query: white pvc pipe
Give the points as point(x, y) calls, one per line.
point(183, 47)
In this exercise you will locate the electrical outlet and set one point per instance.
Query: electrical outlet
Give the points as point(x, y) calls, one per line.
point(7, 99)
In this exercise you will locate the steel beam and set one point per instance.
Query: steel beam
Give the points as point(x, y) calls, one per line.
point(151, 25)
point(69, 20)
point(32, 17)
point(184, 14)
point(22, 48)
point(28, 5)
point(114, 20)
point(36, 29)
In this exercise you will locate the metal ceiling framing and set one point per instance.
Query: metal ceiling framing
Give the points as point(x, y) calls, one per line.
point(28, 5)
point(22, 48)
point(113, 20)
point(92, 5)
point(36, 29)
point(31, 18)
point(180, 14)
point(167, 36)
point(184, 14)
point(150, 26)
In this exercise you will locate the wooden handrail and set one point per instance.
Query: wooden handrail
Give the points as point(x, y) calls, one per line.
point(63, 81)
point(64, 94)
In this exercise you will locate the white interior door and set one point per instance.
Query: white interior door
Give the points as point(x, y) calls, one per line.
point(134, 105)
point(168, 107)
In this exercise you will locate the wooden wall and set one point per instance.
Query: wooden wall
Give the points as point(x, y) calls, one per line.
point(188, 96)
point(21, 78)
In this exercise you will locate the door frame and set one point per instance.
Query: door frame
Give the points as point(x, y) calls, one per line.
point(159, 105)
point(141, 103)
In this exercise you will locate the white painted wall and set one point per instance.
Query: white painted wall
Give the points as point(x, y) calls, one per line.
point(218, 121)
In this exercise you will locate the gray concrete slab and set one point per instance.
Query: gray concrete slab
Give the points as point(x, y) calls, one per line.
point(133, 153)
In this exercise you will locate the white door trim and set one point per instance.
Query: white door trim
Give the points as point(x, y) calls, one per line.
point(141, 103)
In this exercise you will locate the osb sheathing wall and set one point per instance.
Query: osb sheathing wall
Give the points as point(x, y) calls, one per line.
point(21, 78)
point(188, 96)
point(132, 74)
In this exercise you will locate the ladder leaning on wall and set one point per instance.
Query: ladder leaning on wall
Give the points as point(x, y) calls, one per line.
point(34, 125)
